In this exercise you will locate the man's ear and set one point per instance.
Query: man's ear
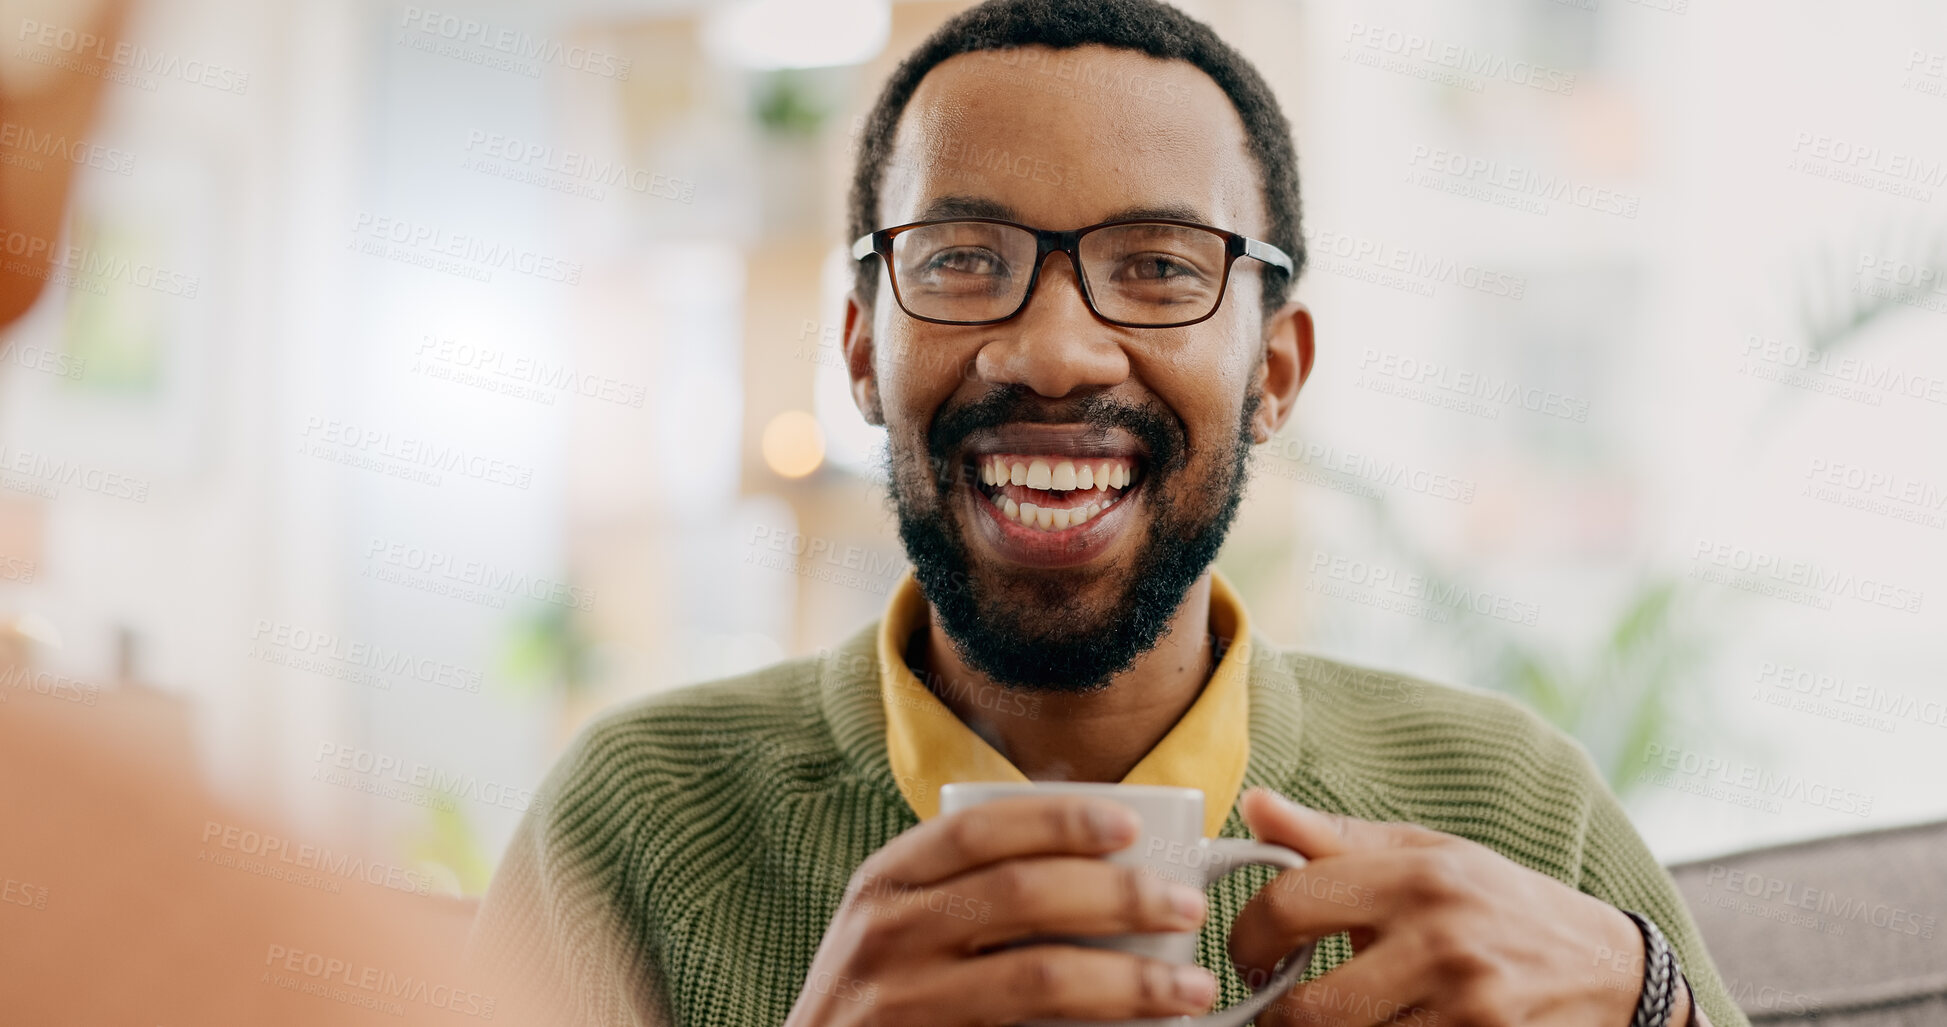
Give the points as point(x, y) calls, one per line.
point(1288, 351)
point(858, 360)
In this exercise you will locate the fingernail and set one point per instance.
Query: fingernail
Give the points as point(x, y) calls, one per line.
point(1195, 986)
point(1188, 903)
point(1112, 822)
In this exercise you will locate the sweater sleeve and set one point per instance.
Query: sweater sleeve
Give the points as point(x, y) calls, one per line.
point(1617, 868)
point(550, 933)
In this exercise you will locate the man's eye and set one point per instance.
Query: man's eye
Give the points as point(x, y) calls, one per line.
point(967, 261)
point(1156, 267)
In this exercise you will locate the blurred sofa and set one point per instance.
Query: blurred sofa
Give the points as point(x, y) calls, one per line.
point(1848, 930)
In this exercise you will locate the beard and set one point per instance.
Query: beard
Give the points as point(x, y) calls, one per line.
point(1028, 629)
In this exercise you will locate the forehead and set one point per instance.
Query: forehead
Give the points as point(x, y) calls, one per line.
point(1066, 138)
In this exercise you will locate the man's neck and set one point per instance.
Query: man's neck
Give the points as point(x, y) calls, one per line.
point(1099, 736)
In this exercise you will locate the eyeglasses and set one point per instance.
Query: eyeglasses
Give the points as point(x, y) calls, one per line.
point(1139, 273)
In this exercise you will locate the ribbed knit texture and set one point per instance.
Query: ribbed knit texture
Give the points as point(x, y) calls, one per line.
point(691, 846)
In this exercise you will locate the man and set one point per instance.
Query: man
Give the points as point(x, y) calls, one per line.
point(1073, 354)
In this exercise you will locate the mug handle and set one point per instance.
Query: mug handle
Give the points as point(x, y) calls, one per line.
point(1221, 856)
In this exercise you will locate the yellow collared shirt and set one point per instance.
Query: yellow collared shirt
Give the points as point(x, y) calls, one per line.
point(929, 746)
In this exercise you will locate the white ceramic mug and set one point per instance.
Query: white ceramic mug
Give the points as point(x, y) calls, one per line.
point(1171, 845)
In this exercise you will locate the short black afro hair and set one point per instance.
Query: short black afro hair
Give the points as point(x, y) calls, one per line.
point(1146, 26)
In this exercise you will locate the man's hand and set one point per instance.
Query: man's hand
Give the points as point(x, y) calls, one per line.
point(919, 936)
point(1454, 934)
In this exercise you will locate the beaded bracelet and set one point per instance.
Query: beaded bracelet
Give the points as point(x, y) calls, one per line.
point(1660, 976)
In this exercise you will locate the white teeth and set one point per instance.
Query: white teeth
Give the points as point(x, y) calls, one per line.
point(1019, 476)
point(1084, 476)
point(1120, 477)
point(1064, 477)
point(1050, 518)
point(987, 473)
point(1039, 476)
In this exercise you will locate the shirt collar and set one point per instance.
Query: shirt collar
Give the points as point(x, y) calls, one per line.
point(928, 746)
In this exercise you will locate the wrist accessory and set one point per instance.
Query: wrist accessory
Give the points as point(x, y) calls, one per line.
point(1660, 976)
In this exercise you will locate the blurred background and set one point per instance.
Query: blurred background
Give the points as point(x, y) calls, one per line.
point(424, 379)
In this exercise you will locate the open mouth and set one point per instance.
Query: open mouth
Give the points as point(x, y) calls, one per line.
point(1050, 493)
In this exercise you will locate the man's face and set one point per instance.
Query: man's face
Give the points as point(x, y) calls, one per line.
point(1060, 482)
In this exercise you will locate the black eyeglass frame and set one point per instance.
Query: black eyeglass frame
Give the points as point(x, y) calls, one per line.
point(1048, 240)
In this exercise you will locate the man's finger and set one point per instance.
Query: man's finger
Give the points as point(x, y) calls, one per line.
point(1375, 987)
point(1029, 825)
point(1315, 835)
point(1323, 897)
point(1037, 982)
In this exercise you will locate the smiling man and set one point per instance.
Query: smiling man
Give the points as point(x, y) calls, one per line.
point(1076, 227)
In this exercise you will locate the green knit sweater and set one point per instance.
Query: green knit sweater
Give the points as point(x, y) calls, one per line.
point(691, 846)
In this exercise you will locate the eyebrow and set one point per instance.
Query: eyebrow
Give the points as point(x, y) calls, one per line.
point(981, 207)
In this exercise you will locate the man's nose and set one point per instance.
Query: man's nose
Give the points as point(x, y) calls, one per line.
point(1055, 345)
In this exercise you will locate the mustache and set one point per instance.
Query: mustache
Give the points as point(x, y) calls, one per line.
point(1160, 431)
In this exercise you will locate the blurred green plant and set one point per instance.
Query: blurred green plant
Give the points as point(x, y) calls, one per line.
point(548, 652)
point(446, 842)
point(787, 104)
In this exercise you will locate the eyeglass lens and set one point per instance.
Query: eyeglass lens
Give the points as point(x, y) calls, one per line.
point(1140, 272)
